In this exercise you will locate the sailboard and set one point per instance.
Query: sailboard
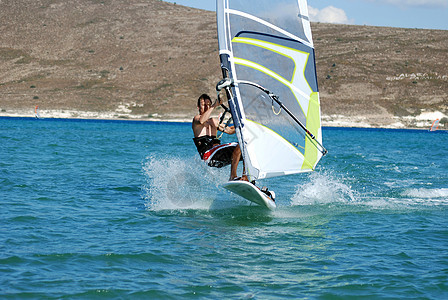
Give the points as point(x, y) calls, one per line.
point(269, 75)
point(435, 125)
point(252, 193)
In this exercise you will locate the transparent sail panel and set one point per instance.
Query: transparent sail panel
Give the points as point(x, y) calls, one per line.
point(286, 15)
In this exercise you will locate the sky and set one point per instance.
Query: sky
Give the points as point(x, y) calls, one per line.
point(427, 14)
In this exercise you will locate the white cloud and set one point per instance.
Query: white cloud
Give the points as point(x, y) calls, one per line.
point(329, 14)
point(407, 3)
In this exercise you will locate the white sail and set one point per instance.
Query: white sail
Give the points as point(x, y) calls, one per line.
point(266, 47)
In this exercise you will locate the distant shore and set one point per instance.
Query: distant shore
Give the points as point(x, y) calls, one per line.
point(423, 121)
point(150, 60)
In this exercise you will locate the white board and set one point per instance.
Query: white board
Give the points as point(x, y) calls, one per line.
point(250, 192)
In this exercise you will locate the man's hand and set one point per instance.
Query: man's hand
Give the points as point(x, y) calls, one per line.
point(217, 102)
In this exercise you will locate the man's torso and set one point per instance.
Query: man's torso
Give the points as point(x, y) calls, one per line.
point(208, 128)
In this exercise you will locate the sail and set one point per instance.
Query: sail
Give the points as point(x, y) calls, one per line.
point(434, 125)
point(266, 47)
point(36, 112)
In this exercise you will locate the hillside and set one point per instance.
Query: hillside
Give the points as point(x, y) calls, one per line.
point(152, 59)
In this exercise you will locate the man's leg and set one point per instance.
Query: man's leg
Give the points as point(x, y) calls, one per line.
point(236, 156)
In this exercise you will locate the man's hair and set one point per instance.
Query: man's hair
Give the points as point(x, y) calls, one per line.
point(205, 97)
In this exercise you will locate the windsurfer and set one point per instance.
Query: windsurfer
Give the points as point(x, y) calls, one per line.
point(209, 147)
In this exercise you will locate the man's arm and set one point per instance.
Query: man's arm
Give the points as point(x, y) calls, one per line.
point(228, 130)
point(204, 118)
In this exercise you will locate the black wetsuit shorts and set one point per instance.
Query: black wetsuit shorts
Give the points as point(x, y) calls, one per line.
point(211, 151)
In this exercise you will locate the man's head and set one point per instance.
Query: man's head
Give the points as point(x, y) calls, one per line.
point(204, 103)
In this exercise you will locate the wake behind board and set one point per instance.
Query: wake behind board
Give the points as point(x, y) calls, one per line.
point(250, 192)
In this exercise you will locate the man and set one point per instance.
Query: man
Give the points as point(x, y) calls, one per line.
point(209, 147)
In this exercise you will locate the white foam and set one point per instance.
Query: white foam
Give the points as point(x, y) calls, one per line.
point(182, 183)
point(427, 193)
point(323, 188)
point(326, 188)
point(426, 196)
point(175, 183)
point(415, 198)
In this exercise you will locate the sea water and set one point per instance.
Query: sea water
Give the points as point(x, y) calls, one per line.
point(101, 209)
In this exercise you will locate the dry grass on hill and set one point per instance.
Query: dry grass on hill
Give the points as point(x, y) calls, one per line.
point(147, 58)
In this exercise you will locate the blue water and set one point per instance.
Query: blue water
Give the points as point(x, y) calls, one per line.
point(95, 209)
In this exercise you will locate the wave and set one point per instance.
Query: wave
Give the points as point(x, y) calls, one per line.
point(175, 183)
point(323, 188)
point(427, 196)
point(326, 188)
point(186, 183)
point(425, 193)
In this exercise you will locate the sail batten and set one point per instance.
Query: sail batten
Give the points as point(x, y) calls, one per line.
point(269, 44)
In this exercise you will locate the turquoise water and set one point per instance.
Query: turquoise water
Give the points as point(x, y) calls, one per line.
point(93, 209)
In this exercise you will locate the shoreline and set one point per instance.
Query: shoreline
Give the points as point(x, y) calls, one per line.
point(423, 121)
point(185, 122)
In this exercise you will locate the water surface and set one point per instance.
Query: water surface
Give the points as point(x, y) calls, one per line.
point(95, 209)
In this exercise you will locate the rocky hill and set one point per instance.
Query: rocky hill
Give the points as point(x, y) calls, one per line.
point(150, 59)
